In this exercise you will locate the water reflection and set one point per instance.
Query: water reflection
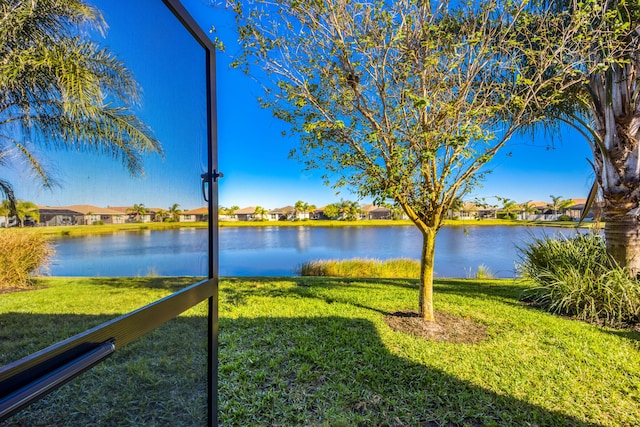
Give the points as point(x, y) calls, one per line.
point(279, 251)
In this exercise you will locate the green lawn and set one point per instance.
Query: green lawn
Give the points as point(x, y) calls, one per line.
point(317, 352)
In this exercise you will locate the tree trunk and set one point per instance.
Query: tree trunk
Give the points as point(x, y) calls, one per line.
point(426, 274)
point(622, 235)
point(617, 160)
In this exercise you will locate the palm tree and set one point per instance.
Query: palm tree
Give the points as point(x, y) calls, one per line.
point(349, 211)
point(591, 52)
point(59, 91)
point(304, 208)
point(24, 209)
point(160, 215)
point(137, 211)
point(528, 207)
point(558, 204)
point(174, 212)
point(6, 210)
point(310, 209)
point(260, 212)
point(508, 206)
point(300, 207)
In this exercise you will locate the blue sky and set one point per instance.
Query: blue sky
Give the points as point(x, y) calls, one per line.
point(252, 152)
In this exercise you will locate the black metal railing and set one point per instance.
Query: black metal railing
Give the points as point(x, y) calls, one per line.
point(25, 381)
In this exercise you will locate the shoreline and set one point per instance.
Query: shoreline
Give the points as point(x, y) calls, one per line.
point(82, 230)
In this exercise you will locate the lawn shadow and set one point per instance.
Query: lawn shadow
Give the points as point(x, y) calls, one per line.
point(273, 371)
point(479, 289)
point(629, 334)
point(160, 379)
point(169, 283)
point(336, 371)
point(306, 287)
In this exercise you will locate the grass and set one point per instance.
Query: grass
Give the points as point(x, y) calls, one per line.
point(391, 268)
point(81, 230)
point(20, 255)
point(317, 352)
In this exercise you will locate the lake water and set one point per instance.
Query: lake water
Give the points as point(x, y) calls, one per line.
point(279, 251)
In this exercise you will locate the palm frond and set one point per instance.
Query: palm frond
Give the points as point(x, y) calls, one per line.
point(7, 191)
point(60, 91)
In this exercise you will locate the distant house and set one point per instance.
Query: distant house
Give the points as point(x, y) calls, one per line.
point(575, 210)
point(319, 213)
point(79, 215)
point(195, 215)
point(376, 212)
point(470, 210)
point(286, 213)
point(245, 214)
point(131, 216)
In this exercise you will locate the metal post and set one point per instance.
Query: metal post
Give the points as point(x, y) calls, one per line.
point(212, 198)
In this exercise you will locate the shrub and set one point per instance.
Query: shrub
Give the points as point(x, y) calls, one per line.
point(507, 215)
point(392, 268)
point(565, 218)
point(21, 254)
point(576, 277)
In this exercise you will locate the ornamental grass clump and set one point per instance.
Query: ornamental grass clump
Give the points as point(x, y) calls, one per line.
point(21, 255)
point(392, 268)
point(575, 277)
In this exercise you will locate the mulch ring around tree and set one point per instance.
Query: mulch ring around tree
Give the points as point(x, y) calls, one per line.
point(447, 327)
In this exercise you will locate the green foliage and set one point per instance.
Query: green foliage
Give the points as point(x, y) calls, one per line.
point(21, 210)
point(259, 213)
point(507, 215)
point(332, 210)
point(392, 268)
point(174, 213)
point(138, 210)
point(403, 101)
point(21, 255)
point(558, 203)
point(576, 277)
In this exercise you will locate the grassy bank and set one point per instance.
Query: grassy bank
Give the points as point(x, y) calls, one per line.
point(318, 352)
point(387, 223)
point(81, 230)
point(392, 268)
